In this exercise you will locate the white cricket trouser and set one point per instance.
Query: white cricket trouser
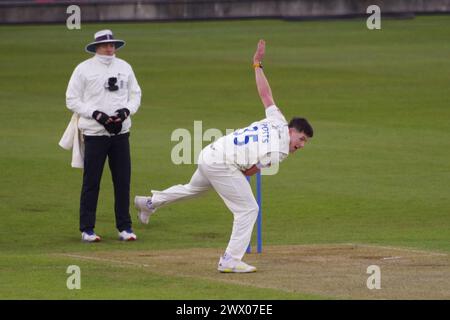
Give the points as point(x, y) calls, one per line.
point(233, 188)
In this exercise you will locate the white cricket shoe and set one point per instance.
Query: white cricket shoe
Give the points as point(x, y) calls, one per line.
point(90, 236)
point(145, 208)
point(234, 266)
point(127, 235)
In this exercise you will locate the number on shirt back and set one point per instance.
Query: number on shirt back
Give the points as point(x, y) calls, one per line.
point(247, 133)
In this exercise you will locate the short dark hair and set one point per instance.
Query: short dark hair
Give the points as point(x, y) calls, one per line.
point(301, 125)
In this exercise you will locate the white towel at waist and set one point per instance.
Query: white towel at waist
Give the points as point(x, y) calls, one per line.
point(73, 139)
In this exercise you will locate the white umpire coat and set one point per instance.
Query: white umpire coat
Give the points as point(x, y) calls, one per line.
point(87, 91)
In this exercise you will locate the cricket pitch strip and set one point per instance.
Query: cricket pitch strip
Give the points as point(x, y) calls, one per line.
point(337, 271)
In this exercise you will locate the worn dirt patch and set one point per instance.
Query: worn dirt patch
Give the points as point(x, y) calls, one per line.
point(336, 271)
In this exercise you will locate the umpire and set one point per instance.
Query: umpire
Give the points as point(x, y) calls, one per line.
point(104, 92)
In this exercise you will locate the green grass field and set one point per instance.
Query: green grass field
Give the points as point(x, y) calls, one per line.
point(377, 170)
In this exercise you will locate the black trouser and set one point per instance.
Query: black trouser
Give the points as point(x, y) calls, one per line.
point(97, 148)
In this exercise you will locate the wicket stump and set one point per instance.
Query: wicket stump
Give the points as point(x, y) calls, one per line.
point(259, 219)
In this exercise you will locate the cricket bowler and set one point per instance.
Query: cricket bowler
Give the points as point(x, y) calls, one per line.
point(224, 164)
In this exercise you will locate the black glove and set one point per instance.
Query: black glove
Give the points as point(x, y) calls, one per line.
point(114, 127)
point(100, 117)
point(122, 114)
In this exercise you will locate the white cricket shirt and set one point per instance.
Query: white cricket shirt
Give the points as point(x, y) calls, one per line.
point(263, 143)
point(87, 91)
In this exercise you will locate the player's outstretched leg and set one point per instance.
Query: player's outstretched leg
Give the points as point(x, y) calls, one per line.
point(146, 206)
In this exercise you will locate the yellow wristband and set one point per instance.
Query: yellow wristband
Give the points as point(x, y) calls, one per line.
point(258, 65)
